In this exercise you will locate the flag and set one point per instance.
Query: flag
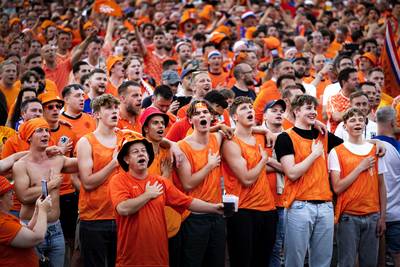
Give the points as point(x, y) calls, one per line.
point(390, 64)
point(107, 7)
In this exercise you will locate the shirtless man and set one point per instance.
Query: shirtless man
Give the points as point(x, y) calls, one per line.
point(28, 173)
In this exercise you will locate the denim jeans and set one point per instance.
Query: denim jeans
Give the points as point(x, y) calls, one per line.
point(309, 227)
point(275, 260)
point(53, 245)
point(357, 236)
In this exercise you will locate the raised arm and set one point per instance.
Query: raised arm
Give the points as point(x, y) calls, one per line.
point(90, 180)
point(7, 163)
point(232, 155)
point(80, 49)
point(27, 238)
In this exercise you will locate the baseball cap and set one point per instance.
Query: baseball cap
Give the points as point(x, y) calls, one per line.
point(273, 103)
point(171, 77)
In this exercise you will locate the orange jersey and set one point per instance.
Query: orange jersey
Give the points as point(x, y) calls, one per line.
point(268, 92)
point(258, 196)
point(111, 89)
point(314, 184)
point(362, 196)
point(218, 80)
point(142, 237)
point(10, 95)
point(133, 126)
point(81, 125)
point(210, 188)
point(182, 112)
point(173, 219)
point(94, 204)
point(59, 75)
point(63, 135)
point(12, 256)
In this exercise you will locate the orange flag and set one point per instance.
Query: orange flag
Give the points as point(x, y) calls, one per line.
point(390, 64)
point(107, 7)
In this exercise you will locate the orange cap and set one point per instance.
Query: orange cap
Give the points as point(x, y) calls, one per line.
point(217, 37)
point(28, 128)
point(371, 57)
point(111, 60)
point(64, 29)
point(249, 33)
point(14, 21)
point(47, 23)
point(188, 15)
point(48, 97)
point(87, 25)
point(272, 43)
point(205, 14)
point(223, 29)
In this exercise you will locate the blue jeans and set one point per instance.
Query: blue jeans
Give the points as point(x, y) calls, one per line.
point(275, 260)
point(53, 245)
point(308, 226)
point(357, 236)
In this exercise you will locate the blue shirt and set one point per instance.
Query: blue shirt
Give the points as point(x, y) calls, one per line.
point(390, 140)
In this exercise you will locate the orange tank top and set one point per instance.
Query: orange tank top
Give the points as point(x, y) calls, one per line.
point(362, 196)
point(258, 196)
point(96, 204)
point(314, 184)
point(210, 188)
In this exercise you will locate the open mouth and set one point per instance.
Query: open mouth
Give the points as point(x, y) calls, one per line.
point(203, 122)
point(160, 132)
point(250, 117)
point(115, 117)
point(140, 161)
point(358, 128)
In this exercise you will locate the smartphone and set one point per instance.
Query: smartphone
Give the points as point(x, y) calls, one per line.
point(45, 191)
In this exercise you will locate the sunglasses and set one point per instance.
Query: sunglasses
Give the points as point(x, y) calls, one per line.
point(52, 106)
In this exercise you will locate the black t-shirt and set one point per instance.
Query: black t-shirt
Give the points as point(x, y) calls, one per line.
point(239, 92)
point(284, 145)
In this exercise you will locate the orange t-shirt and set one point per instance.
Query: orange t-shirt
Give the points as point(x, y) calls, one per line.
point(218, 79)
point(398, 115)
point(179, 130)
point(314, 184)
point(320, 92)
point(142, 236)
point(64, 135)
point(81, 125)
point(94, 204)
point(111, 89)
point(173, 218)
point(59, 75)
point(10, 95)
point(268, 92)
point(362, 196)
point(258, 196)
point(125, 124)
point(12, 256)
point(210, 188)
point(182, 111)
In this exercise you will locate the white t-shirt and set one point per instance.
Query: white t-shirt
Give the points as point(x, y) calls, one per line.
point(361, 150)
point(310, 89)
point(370, 131)
point(392, 181)
point(330, 90)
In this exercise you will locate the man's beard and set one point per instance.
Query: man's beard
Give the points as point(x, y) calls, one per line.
point(248, 82)
point(299, 74)
point(132, 110)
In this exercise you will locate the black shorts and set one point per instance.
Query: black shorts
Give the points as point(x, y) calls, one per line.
point(69, 214)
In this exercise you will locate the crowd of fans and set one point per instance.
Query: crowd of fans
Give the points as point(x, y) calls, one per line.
point(126, 126)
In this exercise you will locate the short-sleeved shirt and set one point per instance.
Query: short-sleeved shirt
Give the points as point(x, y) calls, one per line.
point(142, 236)
point(9, 255)
point(250, 93)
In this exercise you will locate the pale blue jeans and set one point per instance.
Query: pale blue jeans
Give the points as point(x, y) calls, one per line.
point(308, 227)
